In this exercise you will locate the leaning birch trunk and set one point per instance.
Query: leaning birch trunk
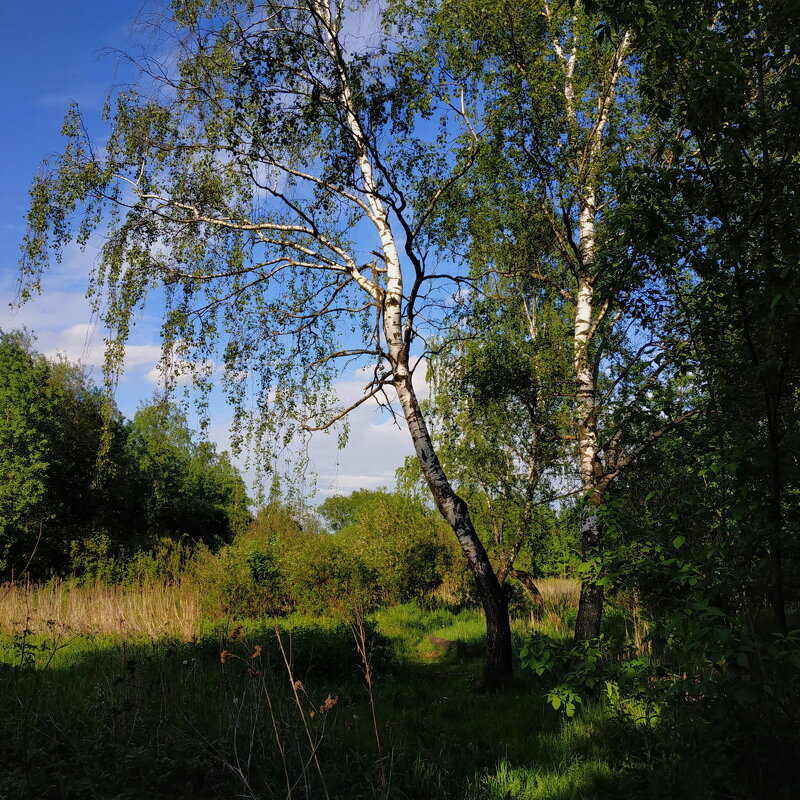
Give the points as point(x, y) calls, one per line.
point(498, 666)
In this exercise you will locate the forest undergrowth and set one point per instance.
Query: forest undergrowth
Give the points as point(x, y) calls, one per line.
point(117, 692)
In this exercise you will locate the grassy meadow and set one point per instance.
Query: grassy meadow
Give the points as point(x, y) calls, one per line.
point(129, 692)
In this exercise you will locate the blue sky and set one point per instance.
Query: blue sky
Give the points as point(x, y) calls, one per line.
point(52, 55)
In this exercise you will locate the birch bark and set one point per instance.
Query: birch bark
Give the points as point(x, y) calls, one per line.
point(588, 316)
point(498, 664)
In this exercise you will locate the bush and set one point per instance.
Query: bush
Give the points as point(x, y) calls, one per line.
point(401, 542)
point(327, 578)
point(240, 582)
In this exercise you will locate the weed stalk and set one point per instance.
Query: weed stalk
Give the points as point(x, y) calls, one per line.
point(359, 634)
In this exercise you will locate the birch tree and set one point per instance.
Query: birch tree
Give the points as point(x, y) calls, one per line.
point(497, 406)
point(270, 178)
point(558, 123)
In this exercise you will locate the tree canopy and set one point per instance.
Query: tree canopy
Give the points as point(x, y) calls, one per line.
point(81, 487)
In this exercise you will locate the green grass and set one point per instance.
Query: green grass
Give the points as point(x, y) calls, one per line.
point(408, 628)
point(108, 717)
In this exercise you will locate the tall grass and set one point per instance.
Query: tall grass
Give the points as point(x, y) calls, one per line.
point(559, 595)
point(152, 610)
point(174, 608)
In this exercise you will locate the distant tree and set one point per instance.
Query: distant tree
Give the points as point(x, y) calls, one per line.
point(395, 536)
point(341, 511)
point(185, 487)
point(26, 449)
point(81, 486)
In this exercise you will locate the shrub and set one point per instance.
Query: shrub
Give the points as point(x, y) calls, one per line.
point(240, 582)
point(403, 543)
point(327, 578)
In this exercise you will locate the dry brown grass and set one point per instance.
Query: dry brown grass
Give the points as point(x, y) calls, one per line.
point(167, 609)
point(558, 594)
point(154, 610)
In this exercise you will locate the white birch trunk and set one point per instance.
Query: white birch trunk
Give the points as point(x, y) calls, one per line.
point(587, 624)
point(498, 665)
point(587, 318)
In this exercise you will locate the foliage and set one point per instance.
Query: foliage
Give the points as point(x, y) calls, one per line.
point(187, 487)
point(496, 409)
point(401, 541)
point(721, 202)
point(84, 491)
point(544, 221)
point(26, 448)
point(275, 180)
point(391, 549)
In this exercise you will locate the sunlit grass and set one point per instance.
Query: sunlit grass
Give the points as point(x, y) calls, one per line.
point(110, 679)
point(563, 781)
point(154, 610)
point(134, 712)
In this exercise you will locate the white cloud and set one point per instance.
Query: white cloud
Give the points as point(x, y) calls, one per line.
point(377, 445)
point(78, 342)
point(54, 311)
point(137, 355)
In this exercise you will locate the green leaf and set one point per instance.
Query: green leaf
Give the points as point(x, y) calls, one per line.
point(741, 659)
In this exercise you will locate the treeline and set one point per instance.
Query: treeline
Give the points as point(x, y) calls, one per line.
point(90, 494)
point(83, 490)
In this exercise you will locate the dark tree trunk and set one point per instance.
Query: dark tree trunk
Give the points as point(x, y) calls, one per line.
point(498, 666)
point(590, 606)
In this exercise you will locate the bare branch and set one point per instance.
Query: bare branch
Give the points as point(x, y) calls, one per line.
point(344, 412)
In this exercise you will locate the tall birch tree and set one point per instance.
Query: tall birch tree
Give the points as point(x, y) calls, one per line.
point(270, 178)
point(556, 98)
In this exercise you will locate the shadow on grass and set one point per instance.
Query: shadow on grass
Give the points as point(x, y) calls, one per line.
point(99, 718)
